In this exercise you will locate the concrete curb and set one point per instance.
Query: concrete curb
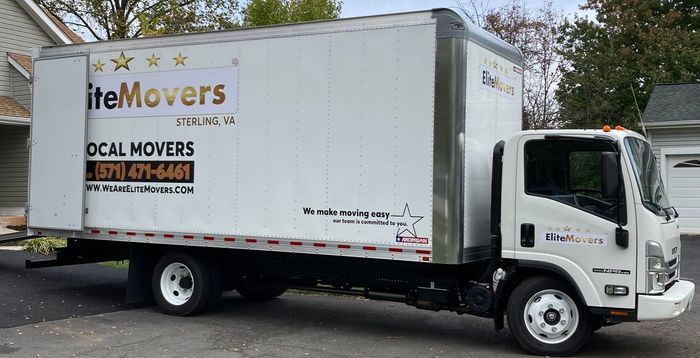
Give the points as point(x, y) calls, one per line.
point(11, 248)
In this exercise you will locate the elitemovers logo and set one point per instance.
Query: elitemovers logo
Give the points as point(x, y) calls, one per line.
point(165, 93)
point(569, 237)
point(497, 81)
point(495, 78)
point(130, 95)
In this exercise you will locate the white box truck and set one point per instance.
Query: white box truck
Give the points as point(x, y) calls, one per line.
point(378, 156)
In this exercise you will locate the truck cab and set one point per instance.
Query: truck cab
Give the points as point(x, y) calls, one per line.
point(590, 206)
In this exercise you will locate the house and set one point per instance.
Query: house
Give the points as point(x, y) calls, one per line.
point(23, 26)
point(672, 122)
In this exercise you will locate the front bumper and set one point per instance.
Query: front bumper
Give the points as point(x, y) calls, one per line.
point(670, 304)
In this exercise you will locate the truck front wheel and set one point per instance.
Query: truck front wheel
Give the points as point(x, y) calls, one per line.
point(182, 285)
point(546, 317)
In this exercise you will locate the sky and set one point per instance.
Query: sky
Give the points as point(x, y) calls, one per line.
point(352, 8)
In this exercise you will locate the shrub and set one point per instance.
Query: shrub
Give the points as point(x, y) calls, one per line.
point(44, 245)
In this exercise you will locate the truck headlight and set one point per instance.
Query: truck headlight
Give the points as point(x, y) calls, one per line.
point(657, 268)
point(657, 264)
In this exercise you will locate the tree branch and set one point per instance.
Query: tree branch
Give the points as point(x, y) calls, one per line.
point(86, 25)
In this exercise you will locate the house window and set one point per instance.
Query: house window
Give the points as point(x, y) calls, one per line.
point(693, 163)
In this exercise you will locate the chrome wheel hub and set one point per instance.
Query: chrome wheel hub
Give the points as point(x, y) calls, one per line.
point(551, 316)
point(176, 283)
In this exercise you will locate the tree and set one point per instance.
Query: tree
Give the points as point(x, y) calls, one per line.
point(534, 33)
point(632, 45)
point(270, 12)
point(112, 19)
point(474, 10)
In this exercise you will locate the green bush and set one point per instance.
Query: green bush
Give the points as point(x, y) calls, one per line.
point(44, 245)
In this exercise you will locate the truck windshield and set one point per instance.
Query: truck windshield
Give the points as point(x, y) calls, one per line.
point(654, 195)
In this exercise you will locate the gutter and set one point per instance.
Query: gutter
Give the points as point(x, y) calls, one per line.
point(673, 124)
point(18, 67)
point(14, 121)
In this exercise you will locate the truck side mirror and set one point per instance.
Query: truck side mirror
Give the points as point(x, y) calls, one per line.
point(611, 179)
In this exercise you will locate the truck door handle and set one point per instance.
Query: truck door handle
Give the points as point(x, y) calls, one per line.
point(527, 235)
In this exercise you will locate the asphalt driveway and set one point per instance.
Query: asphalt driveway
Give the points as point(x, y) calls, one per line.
point(308, 325)
point(38, 295)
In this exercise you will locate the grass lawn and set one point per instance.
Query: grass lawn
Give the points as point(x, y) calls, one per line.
point(116, 264)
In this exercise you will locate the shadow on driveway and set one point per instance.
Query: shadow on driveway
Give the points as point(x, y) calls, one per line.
point(47, 294)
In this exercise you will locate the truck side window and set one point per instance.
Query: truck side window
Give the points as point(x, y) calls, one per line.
point(570, 171)
point(585, 174)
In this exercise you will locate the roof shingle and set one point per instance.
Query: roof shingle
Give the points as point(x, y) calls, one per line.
point(11, 108)
point(23, 60)
point(67, 31)
point(672, 102)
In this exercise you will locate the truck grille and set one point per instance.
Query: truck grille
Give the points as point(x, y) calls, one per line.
point(672, 272)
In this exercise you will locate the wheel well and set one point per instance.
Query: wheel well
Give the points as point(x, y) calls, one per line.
point(142, 261)
point(518, 274)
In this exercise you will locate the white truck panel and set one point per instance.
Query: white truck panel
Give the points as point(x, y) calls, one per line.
point(339, 121)
point(494, 99)
point(56, 188)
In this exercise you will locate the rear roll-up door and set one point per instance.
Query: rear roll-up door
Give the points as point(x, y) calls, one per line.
point(58, 133)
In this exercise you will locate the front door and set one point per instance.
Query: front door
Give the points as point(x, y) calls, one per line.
point(566, 222)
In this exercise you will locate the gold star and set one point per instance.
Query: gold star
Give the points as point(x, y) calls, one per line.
point(153, 60)
point(121, 62)
point(180, 59)
point(566, 228)
point(98, 66)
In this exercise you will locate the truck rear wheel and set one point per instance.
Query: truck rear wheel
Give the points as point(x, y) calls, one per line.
point(546, 317)
point(182, 285)
point(259, 292)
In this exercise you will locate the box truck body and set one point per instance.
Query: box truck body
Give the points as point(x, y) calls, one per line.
point(328, 141)
point(377, 156)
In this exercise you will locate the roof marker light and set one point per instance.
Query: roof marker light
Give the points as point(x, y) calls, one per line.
point(619, 128)
point(606, 129)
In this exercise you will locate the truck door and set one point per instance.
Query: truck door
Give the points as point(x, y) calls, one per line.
point(565, 222)
point(57, 154)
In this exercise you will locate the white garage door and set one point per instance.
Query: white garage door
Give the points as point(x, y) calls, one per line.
point(684, 189)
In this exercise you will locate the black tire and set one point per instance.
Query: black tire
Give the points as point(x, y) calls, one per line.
point(259, 292)
point(597, 324)
point(201, 289)
point(545, 290)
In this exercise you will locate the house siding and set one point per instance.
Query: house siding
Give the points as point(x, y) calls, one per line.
point(20, 88)
point(18, 33)
point(14, 166)
point(673, 138)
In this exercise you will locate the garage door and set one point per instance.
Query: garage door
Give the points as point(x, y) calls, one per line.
point(684, 189)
